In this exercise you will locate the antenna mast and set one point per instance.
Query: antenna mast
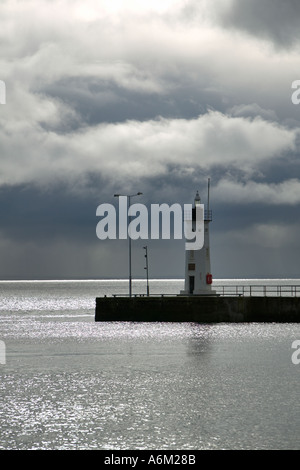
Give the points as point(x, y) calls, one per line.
point(208, 187)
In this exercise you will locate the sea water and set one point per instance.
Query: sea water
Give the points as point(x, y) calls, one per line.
point(68, 382)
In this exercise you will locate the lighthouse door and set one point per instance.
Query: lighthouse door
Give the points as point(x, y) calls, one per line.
point(191, 284)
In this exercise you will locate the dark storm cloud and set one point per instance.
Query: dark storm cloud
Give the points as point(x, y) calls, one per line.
point(29, 213)
point(95, 101)
point(104, 98)
point(275, 20)
point(107, 102)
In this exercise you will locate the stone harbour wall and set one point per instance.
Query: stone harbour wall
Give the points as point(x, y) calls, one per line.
point(200, 309)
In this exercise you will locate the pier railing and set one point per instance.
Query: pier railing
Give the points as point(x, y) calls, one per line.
point(259, 290)
point(239, 291)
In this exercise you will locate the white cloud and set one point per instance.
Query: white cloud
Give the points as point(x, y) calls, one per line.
point(138, 149)
point(146, 48)
point(176, 58)
point(253, 110)
point(286, 192)
point(137, 48)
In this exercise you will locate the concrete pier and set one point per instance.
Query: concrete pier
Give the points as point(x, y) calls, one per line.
point(199, 309)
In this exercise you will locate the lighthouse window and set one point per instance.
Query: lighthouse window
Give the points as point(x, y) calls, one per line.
point(191, 266)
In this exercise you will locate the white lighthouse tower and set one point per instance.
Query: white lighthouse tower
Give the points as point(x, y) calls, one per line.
point(198, 277)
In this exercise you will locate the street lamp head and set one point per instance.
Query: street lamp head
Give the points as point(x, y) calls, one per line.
point(128, 195)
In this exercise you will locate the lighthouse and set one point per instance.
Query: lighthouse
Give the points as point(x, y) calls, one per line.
point(198, 277)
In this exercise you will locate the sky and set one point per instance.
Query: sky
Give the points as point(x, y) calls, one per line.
point(113, 96)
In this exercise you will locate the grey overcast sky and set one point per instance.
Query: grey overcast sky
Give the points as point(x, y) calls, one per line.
point(112, 96)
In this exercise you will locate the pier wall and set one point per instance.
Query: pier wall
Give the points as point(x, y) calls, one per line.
point(202, 309)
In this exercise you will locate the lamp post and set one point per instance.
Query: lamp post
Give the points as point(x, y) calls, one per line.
point(146, 256)
point(129, 196)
